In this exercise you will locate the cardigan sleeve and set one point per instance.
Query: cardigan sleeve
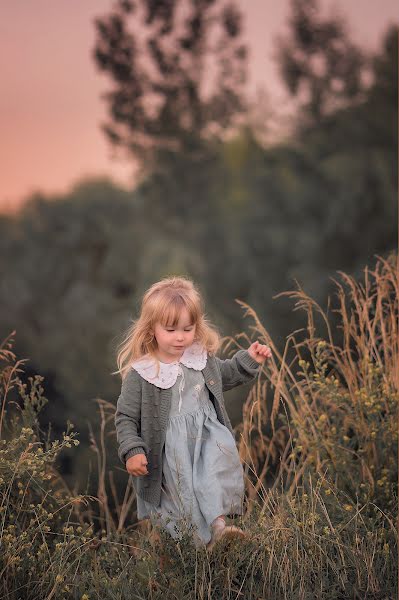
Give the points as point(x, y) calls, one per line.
point(127, 417)
point(239, 369)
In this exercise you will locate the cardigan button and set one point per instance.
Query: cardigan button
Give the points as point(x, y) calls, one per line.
point(211, 382)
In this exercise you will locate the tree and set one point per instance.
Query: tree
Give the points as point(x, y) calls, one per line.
point(178, 72)
point(318, 62)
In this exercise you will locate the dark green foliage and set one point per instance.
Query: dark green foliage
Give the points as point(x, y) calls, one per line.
point(318, 61)
point(178, 69)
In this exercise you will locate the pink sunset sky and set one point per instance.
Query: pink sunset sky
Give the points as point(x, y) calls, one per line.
point(51, 109)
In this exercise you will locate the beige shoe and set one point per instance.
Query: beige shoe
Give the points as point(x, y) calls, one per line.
point(217, 527)
point(228, 532)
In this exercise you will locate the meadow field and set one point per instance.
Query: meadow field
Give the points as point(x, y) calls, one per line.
point(319, 444)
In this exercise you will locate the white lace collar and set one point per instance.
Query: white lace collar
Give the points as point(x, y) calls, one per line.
point(194, 356)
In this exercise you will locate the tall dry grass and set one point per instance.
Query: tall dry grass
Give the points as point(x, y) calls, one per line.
point(336, 411)
point(318, 442)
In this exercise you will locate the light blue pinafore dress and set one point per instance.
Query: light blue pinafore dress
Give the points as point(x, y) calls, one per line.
point(202, 475)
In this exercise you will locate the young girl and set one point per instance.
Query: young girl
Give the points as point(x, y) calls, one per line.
point(173, 431)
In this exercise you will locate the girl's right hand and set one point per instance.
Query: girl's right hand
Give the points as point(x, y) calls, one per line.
point(137, 465)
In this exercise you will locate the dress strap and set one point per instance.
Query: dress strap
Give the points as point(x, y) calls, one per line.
point(181, 385)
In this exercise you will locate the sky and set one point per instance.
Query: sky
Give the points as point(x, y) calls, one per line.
point(51, 107)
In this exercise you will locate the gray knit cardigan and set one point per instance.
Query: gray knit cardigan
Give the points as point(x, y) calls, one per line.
point(143, 408)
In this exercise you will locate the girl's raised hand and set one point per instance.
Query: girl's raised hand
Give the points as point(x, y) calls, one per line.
point(137, 465)
point(259, 352)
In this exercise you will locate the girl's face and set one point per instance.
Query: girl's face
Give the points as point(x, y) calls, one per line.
point(172, 341)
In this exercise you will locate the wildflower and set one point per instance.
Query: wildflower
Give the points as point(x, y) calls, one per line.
point(77, 500)
point(67, 529)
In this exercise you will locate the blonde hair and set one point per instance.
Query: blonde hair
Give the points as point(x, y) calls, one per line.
point(162, 303)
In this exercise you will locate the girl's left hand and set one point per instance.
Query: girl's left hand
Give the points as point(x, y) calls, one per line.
point(259, 352)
